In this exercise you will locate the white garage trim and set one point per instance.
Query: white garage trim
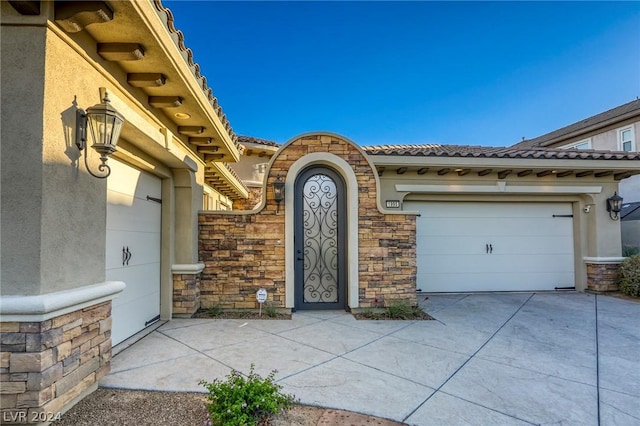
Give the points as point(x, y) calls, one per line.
point(499, 187)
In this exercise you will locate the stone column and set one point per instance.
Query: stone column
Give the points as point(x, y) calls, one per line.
point(186, 289)
point(602, 273)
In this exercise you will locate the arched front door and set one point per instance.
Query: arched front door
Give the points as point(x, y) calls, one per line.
point(320, 243)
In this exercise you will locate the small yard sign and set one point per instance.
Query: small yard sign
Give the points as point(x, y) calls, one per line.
point(261, 295)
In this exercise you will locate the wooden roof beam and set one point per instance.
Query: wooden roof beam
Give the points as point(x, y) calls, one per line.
point(504, 173)
point(622, 175)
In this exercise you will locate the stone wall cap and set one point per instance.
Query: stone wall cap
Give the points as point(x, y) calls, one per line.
point(187, 268)
point(603, 260)
point(41, 307)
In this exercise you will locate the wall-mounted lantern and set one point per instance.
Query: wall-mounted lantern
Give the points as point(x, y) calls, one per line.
point(104, 125)
point(278, 192)
point(614, 205)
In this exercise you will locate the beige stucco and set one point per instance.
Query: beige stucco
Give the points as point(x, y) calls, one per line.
point(595, 234)
point(252, 167)
point(53, 211)
point(607, 139)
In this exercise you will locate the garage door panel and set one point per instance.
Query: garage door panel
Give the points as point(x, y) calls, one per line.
point(128, 181)
point(439, 245)
point(130, 317)
point(144, 248)
point(530, 249)
point(491, 227)
point(145, 219)
point(533, 245)
point(481, 210)
point(140, 282)
point(133, 224)
point(459, 282)
point(463, 245)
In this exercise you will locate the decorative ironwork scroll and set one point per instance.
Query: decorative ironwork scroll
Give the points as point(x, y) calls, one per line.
point(320, 223)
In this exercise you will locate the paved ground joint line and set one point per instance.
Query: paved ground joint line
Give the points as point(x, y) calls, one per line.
point(597, 361)
point(469, 359)
point(197, 350)
point(489, 408)
point(339, 355)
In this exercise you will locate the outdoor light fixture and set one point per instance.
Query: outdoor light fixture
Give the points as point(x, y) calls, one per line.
point(278, 192)
point(614, 205)
point(104, 124)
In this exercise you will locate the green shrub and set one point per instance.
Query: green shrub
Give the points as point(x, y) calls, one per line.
point(629, 276)
point(214, 311)
point(270, 310)
point(245, 400)
point(403, 310)
point(368, 313)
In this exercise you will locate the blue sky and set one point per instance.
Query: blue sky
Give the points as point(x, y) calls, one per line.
point(467, 73)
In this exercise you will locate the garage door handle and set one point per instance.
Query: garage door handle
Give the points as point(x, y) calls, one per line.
point(490, 249)
point(126, 256)
point(486, 248)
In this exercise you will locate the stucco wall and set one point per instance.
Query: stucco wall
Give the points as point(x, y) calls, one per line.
point(244, 251)
point(22, 174)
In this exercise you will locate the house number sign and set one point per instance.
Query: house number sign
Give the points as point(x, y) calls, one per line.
point(393, 204)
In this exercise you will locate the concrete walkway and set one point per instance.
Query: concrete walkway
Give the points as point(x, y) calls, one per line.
point(515, 358)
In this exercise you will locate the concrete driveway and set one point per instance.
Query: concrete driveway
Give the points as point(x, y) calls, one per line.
point(514, 358)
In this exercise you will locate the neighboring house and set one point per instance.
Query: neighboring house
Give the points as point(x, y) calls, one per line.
point(617, 129)
point(319, 222)
point(630, 226)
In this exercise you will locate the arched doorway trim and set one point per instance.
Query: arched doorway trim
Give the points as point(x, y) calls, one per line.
point(345, 170)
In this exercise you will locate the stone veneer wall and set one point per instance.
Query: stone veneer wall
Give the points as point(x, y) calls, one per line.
point(255, 196)
point(602, 277)
point(245, 251)
point(46, 365)
point(186, 294)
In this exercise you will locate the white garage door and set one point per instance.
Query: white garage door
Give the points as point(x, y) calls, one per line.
point(133, 248)
point(464, 247)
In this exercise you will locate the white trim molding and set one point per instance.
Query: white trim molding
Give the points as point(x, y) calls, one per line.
point(46, 306)
point(603, 260)
point(187, 268)
point(620, 131)
point(499, 187)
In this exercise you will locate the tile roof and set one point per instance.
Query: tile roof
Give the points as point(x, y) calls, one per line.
point(435, 150)
point(621, 112)
point(251, 139)
point(178, 38)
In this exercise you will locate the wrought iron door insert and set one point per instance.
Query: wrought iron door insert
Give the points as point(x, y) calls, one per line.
point(319, 240)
